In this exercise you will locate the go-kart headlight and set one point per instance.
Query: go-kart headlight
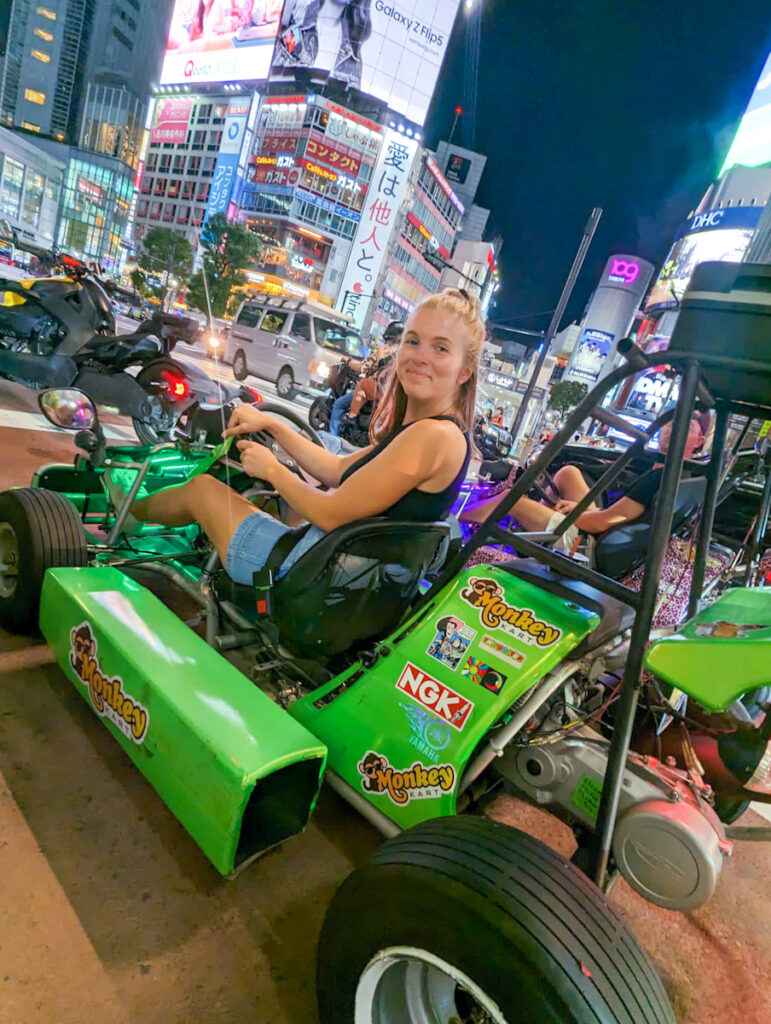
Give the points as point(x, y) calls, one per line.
point(213, 342)
point(320, 368)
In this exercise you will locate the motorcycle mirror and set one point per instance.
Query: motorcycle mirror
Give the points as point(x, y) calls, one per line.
point(68, 408)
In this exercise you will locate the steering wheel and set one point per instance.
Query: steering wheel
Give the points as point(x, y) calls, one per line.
point(265, 438)
point(545, 487)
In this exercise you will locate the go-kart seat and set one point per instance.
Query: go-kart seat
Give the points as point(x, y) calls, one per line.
point(353, 585)
point(615, 616)
point(623, 548)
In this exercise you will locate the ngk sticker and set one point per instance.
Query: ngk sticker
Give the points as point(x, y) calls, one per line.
point(435, 696)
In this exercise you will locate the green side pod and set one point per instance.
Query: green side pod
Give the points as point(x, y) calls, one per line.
point(722, 652)
point(234, 768)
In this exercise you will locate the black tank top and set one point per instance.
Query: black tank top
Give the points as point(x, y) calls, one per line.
point(416, 505)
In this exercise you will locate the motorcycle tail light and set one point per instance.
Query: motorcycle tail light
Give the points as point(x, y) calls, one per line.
point(178, 387)
point(256, 396)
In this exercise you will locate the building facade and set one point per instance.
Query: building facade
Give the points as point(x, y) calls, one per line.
point(44, 65)
point(31, 183)
point(423, 243)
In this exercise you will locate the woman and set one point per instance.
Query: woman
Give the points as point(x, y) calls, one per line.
point(571, 488)
point(412, 471)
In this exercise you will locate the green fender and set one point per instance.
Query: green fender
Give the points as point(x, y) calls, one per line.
point(401, 733)
point(234, 768)
point(722, 652)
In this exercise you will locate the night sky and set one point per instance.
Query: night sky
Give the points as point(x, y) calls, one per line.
point(630, 105)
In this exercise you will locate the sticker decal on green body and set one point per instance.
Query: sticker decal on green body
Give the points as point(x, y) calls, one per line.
point(107, 694)
point(487, 595)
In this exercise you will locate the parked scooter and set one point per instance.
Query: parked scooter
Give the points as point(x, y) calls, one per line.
point(60, 332)
point(354, 430)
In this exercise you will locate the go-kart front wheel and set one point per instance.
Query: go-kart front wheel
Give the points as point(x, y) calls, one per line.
point(38, 530)
point(466, 921)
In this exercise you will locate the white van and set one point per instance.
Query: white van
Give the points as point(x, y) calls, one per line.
point(293, 342)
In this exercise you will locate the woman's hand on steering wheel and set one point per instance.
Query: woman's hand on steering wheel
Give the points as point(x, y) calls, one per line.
point(257, 460)
point(247, 419)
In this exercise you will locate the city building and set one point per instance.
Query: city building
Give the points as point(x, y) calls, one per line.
point(74, 84)
point(42, 75)
point(183, 146)
point(30, 187)
point(422, 245)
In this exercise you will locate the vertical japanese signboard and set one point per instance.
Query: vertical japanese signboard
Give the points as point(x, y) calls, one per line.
point(227, 159)
point(378, 219)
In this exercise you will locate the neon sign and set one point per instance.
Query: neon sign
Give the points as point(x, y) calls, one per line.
point(623, 271)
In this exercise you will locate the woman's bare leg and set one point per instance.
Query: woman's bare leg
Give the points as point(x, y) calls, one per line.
point(216, 508)
point(531, 514)
point(571, 485)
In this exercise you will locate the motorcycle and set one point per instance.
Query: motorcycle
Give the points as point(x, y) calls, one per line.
point(341, 380)
point(60, 332)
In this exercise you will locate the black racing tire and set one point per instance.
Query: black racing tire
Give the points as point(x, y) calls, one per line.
point(47, 532)
point(527, 928)
point(285, 382)
point(240, 369)
point(318, 414)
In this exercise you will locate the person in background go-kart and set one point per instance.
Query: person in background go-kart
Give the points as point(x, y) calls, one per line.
point(413, 470)
point(572, 487)
point(366, 368)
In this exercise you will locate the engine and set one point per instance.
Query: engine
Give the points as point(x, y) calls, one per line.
point(29, 328)
point(668, 843)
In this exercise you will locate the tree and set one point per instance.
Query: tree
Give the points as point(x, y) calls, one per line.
point(166, 254)
point(566, 395)
point(228, 250)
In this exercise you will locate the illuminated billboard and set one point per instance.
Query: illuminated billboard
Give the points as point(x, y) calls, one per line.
point(392, 51)
point(752, 144)
point(722, 235)
point(212, 41)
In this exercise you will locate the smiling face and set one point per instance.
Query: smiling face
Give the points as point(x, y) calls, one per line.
point(432, 361)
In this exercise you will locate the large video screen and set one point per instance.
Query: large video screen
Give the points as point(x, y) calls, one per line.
point(220, 40)
point(752, 144)
point(392, 51)
point(687, 253)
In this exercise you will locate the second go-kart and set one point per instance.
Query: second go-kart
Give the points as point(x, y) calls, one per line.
point(416, 687)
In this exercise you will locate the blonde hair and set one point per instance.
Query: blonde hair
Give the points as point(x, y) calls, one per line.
point(392, 405)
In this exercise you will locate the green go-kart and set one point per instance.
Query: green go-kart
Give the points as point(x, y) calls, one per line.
point(414, 687)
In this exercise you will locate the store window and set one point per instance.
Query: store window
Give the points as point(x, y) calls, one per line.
point(10, 194)
point(33, 197)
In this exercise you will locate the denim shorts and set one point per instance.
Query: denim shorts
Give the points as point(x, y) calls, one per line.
point(251, 545)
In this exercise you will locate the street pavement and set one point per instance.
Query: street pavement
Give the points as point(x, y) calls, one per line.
point(110, 914)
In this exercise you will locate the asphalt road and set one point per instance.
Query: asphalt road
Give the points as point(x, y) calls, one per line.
point(110, 914)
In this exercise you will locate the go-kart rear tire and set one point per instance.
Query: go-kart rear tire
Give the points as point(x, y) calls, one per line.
point(533, 936)
point(48, 533)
